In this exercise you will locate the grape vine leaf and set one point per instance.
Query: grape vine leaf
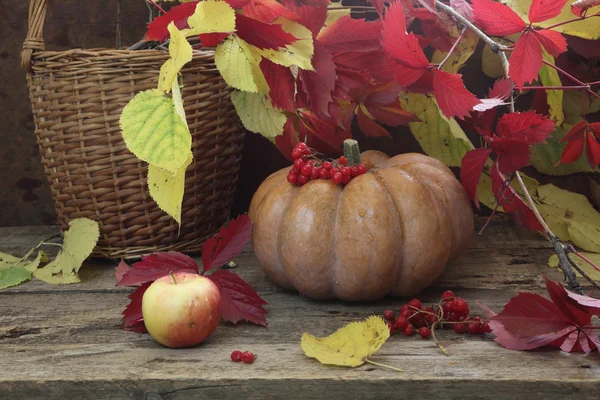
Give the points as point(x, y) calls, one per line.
point(318, 84)
point(79, 242)
point(227, 244)
point(542, 10)
point(298, 53)
point(239, 64)
point(348, 34)
point(496, 18)
point(554, 42)
point(203, 20)
point(452, 96)
point(526, 60)
point(470, 171)
point(349, 346)
point(258, 115)
point(282, 85)
point(579, 134)
point(403, 47)
point(157, 29)
point(267, 11)
point(153, 266)
point(8, 261)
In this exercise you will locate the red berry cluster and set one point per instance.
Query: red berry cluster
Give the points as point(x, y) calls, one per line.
point(307, 167)
point(450, 311)
point(246, 357)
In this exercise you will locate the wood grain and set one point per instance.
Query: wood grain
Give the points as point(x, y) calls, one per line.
point(65, 341)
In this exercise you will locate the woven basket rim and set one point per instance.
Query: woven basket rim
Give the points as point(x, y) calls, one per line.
point(101, 51)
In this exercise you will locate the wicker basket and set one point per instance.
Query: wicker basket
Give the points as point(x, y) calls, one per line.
point(77, 97)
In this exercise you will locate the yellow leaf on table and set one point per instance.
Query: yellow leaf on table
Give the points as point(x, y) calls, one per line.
point(181, 53)
point(587, 268)
point(463, 51)
point(587, 29)
point(349, 346)
point(7, 261)
point(549, 77)
point(239, 64)
point(258, 115)
point(79, 241)
point(154, 131)
point(298, 53)
point(204, 19)
point(440, 137)
point(167, 188)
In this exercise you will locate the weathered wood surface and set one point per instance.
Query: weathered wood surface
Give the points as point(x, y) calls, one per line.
point(65, 341)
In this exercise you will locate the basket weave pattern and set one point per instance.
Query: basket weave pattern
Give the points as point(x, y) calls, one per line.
point(77, 97)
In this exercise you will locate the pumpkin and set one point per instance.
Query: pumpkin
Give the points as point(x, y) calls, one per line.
point(390, 231)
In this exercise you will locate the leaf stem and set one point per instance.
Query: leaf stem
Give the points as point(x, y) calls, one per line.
point(571, 249)
point(572, 20)
point(571, 77)
point(458, 39)
point(489, 219)
point(383, 365)
point(157, 6)
point(554, 87)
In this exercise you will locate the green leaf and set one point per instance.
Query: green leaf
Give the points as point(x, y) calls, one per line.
point(78, 244)
point(13, 277)
point(258, 115)
point(439, 137)
point(167, 188)
point(549, 77)
point(464, 50)
point(154, 131)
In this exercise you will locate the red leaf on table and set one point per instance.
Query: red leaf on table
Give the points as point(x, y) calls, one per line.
point(528, 127)
point(452, 96)
point(239, 301)
point(212, 39)
point(132, 315)
point(121, 270)
point(369, 127)
point(470, 171)
point(350, 34)
point(261, 34)
point(502, 89)
point(542, 10)
point(227, 244)
point(403, 47)
point(525, 60)
point(463, 8)
point(554, 42)
point(318, 84)
point(590, 304)
point(496, 18)
point(157, 29)
point(267, 11)
point(392, 114)
point(560, 297)
point(156, 265)
point(282, 86)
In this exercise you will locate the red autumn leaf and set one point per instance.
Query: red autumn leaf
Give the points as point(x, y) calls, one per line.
point(528, 127)
point(318, 84)
point(452, 96)
point(311, 17)
point(502, 89)
point(423, 85)
point(121, 270)
point(227, 244)
point(239, 301)
point(590, 304)
point(439, 38)
point(378, 94)
point(267, 11)
point(580, 6)
point(282, 86)
point(592, 150)
point(403, 75)
point(392, 114)
point(525, 60)
point(212, 39)
point(286, 142)
point(261, 34)
point(560, 297)
point(542, 10)
point(554, 42)
point(496, 18)
point(325, 130)
point(470, 171)
point(513, 154)
point(577, 131)
point(350, 34)
point(512, 203)
point(369, 127)
point(463, 8)
point(403, 47)
point(580, 134)
point(132, 315)
point(156, 265)
point(572, 151)
point(157, 29)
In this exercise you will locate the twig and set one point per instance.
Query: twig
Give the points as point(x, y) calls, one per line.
point(119, 20)
point(571, 249)
point(583, 273)
point(489, 219)
point(573, 20)
point(571, 77)
point(554, 87)
point(383, 365)
point(458, 39)
point(157, 6)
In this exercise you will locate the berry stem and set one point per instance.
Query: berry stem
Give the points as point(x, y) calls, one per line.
point(489, 219)
point(173, 277)
point(383, 365)
point(352, 151)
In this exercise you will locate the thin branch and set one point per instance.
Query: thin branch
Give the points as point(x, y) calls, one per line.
point(554, 87)
point(571, 249)
point(573, 20)
point(458, 39)
point(571, 77)
point(157, 6)
point(487, 222)
point(583, 273)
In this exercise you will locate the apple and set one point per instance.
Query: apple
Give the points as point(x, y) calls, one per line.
point(181, 309)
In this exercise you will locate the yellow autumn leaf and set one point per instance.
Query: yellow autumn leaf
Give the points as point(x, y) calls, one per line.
point(587, 29)
point(298, 53)
point(573, 107)
point(587, 268)
point(238, 63)
point(490, 61)
point(335, 14)
point(440, 137)
point(167, 188)
point(204, 19)
point(258, 115)
point(79, 242)
point(8, 261)
point(181, 53)
point(349, 346)
point(463, 51)
point(549, 77)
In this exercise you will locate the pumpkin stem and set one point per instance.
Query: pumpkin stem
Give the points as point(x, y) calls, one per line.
point(351, 151)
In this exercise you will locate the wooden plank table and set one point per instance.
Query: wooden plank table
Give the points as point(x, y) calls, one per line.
point(60, 342)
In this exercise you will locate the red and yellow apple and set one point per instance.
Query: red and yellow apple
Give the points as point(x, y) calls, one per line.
point(181, 309)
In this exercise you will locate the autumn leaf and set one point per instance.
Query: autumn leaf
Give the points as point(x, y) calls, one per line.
point(452, 96)
point(579, 6)
point(349, 346)
point(298, 53)
point(167, 188)
point(132, 315)
point(528, 127)
point(463, 8)
point(153, 266)
point(13, 276)
point(368, 126)
point(239, 301)
point(311, 17)
point(470, 171)
point(496, 18)
point(267, 11)
point(181, 53)
point(261, 34)
point(554, 42)
point(319, 83)
point(157, 29)
point(286, 142)
point(542, 10)
point(403, 47)
point(350, 34)
point(227, 244)
point(282, 85)
point(258, 115)
point(579, 134)
point(238, 63)
point(525, 60)
point(203, 20)
point(8, 261)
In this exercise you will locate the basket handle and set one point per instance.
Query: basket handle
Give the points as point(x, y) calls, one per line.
point(34, 40)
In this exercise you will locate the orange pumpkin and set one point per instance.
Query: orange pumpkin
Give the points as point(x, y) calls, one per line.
point(390, 231)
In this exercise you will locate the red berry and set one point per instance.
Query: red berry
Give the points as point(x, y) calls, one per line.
point(343, 160)
point(302, 179)
point(306, 152)
point(326, 165)
point(337, 178)
point(353, 171)
point(345, 171)
point(236, 356)
point(407, 313)
point(419, 320)
point(247, 357)
point(459, 328)
point(403, 307)
point(292, 178)
point(476, 319)
point(315, 173)
point(447, 295)
point(346, 179)
point(447, 307)
point(297, 153)
point(452, 316)
point(424, 332)
point(409, 330)
point(389, 315)
point(460, 306)
point(298, 164)
point(306, 170)
point(485, 327)
point(431, 319)
point(401, 323)
point(361, 169)
point(301, 146)
point(324, 174)
point(473, 327)
point(416, 303)
point(391, 326)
